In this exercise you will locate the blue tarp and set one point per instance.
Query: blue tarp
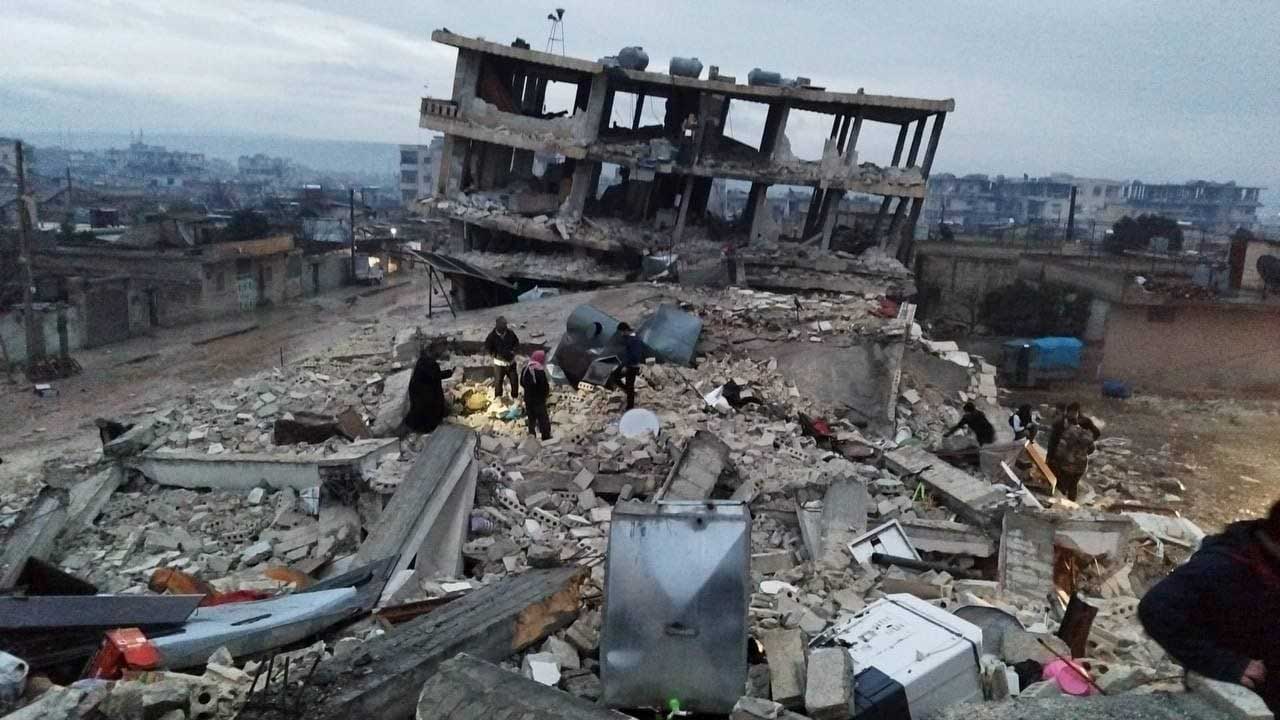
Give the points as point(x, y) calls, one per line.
point(1051, 353)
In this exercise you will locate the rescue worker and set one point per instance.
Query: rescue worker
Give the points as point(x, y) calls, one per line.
point(501, 345)
point(975, 420)
point(632, 357)
point(536, 389)
point(1216, 614)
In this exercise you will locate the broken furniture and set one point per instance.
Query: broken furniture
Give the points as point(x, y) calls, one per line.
point(677, 586)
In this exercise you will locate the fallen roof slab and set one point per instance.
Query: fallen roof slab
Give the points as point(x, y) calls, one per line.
point(467, 688)
point(248, 471)
point(973, 499)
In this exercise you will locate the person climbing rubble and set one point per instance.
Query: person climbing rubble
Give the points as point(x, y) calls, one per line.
point(632, 357)
point(975, 420)
point(536, 389)
point(1070, 443)
point(1216, 614)
point(501, 345)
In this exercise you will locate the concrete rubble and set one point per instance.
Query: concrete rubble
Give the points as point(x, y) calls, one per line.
point(504, 538)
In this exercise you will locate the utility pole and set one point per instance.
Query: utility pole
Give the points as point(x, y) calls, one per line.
point(352, 216)
point(35, 348)
point(67, 204)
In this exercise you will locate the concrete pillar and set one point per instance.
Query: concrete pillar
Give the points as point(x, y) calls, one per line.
point(635, 119)
point(453, 158)
point(580, 188)
point(686, 198)
point(1095, 328)
point(775, 125)
point(466, 77)
point(935, 135)
point(897, 149)
point(596, 101)
point(915, 142)
point(758, 209)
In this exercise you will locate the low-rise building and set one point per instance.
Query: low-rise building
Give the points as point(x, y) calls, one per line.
point(418, 165)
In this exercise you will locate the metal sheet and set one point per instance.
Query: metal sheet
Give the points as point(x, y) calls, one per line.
point(888, 539)
point(250, 627)
point(677, 587)
point(95, 611)
point(671, 334)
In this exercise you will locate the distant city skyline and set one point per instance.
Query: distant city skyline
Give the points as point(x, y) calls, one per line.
point(1164, 93)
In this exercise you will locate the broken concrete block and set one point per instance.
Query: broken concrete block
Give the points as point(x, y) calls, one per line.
point(542, 668)
point(1236, 700)
point(784, 650)
point(256, 495)
point(1019, 645)
point(255, 554)
point(582, 683)
point(755, 708)
point(133, 441)
point(564, 652)
point(828, 689)
point(583, 479)
point(772, 562)
point(543, 556)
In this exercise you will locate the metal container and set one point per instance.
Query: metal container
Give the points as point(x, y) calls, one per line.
point(677, 587)
point(633, 57)
point(685, 67)
point(764, 77)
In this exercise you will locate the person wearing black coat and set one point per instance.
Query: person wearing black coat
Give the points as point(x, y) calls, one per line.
point(1217, 614)
point(632, 358)
point(501, 345)
point(427, 406)
point(536, 389)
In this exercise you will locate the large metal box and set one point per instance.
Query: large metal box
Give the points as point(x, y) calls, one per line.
point(677, 588)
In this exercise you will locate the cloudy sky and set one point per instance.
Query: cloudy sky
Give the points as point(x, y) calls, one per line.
point(1156, 89)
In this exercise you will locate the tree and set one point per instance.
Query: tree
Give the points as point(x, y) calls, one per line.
point(1130, 234)
point(246, 225)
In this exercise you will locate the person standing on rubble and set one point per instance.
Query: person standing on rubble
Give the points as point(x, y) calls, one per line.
point(1216, 614)
point(427, 406)
point(632, 357)
point(501, 345)
point(536, 390)
point(1070, 442)
point(977, 421)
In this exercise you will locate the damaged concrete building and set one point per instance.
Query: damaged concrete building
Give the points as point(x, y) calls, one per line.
point(516, 178)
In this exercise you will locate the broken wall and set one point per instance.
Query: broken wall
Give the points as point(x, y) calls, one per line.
point(863, 375)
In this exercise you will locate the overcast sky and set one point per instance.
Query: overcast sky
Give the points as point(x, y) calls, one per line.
point(1163, 90)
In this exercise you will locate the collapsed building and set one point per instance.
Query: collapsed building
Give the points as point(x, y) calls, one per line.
point(515, 178)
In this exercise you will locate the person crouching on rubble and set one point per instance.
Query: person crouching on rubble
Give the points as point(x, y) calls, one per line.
point(1216, 614)
point(977, 421)
point(1024, 424)
point(536, 390)
point(501, 345)
point(632, 357)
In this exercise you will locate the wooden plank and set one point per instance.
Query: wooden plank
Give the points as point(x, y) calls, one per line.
point(467, 688)
point(492, 623)
point(1041, 464)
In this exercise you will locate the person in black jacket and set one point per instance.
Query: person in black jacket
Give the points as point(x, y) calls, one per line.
point(501, 346)
point(427, 406)
point(977, 421)
point(632, 358)
point(536, 390)
point(1216, 615)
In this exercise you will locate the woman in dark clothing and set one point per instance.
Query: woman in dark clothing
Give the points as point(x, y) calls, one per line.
point(536, 389)
point(427, 406)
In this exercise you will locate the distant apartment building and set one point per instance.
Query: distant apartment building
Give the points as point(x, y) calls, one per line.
point(976, 201)
point(418, 164)
point(262, 168)
point(9, 156)
point(156, 166)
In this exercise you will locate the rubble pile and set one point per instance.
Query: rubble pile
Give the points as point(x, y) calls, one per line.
point(480, 526)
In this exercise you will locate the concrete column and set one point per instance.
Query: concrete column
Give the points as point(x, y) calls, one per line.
point(635, 119)
point(758, 207)
point(915, 142)
point(935, 135)
point(897, 149)
point(453, 158)
point(596, 101)
point(466, 77)
point(686, 198)
point(580, 188)
point(775, 124)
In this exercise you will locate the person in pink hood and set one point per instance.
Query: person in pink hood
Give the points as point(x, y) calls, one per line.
point(536, 389)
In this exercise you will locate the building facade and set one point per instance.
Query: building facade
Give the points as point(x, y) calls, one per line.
point(977, 201)
point(514, 164)
point(418, 165)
